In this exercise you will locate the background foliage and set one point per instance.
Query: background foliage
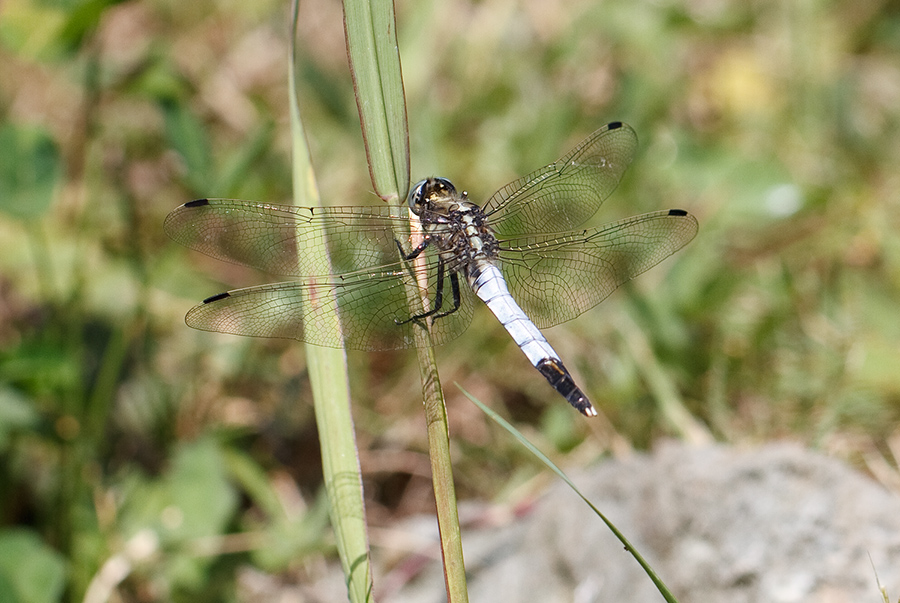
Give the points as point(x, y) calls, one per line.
point(181, 459)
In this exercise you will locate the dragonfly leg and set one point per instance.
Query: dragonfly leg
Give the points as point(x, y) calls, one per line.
point(438, 296)
point(454, 287)
point(415, 252)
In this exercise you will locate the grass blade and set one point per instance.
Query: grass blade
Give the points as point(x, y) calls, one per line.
point(331, 393)
point(375, 63)
point(371, 32)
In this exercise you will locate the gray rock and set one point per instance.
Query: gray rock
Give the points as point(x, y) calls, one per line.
point(777, 524)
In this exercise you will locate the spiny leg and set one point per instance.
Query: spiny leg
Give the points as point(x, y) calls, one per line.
point(454, 287)
point(438, 296)
point(415, 252)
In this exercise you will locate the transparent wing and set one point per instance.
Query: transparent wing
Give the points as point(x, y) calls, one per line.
point(369, 290)
point(369, 306)
point(557, 277)
point(564, 194)
point(268, 237)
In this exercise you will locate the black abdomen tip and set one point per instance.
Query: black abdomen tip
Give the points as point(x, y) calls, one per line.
point(556, 374)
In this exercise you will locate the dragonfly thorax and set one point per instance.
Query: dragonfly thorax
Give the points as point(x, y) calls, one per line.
point(455, 226)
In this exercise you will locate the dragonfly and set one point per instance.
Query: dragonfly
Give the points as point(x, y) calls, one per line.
point(525, 253)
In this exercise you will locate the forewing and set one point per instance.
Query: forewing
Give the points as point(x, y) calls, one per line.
point(564, 194)
point(556, 278)
point(369, 307)
point(267, 236)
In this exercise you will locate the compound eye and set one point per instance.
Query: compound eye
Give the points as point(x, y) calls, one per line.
point(414, 200)
point(447, 186)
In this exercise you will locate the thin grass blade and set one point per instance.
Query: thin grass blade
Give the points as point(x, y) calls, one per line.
point(331, 393)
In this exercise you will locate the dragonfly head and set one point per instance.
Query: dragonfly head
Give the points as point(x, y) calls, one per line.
point(429, 192)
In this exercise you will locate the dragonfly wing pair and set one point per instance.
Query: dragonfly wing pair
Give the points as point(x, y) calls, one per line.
point(367, 289)
point(554, 272)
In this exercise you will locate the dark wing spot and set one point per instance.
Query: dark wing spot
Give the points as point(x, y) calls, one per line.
point(216, 298)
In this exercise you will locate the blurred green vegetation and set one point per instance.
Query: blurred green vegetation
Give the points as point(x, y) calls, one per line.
point(131, 443)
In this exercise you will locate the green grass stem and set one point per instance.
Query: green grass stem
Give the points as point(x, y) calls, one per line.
point(375, 63)
point(331, 392)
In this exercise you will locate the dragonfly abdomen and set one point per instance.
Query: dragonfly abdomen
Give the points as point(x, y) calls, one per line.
point(488, 284)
